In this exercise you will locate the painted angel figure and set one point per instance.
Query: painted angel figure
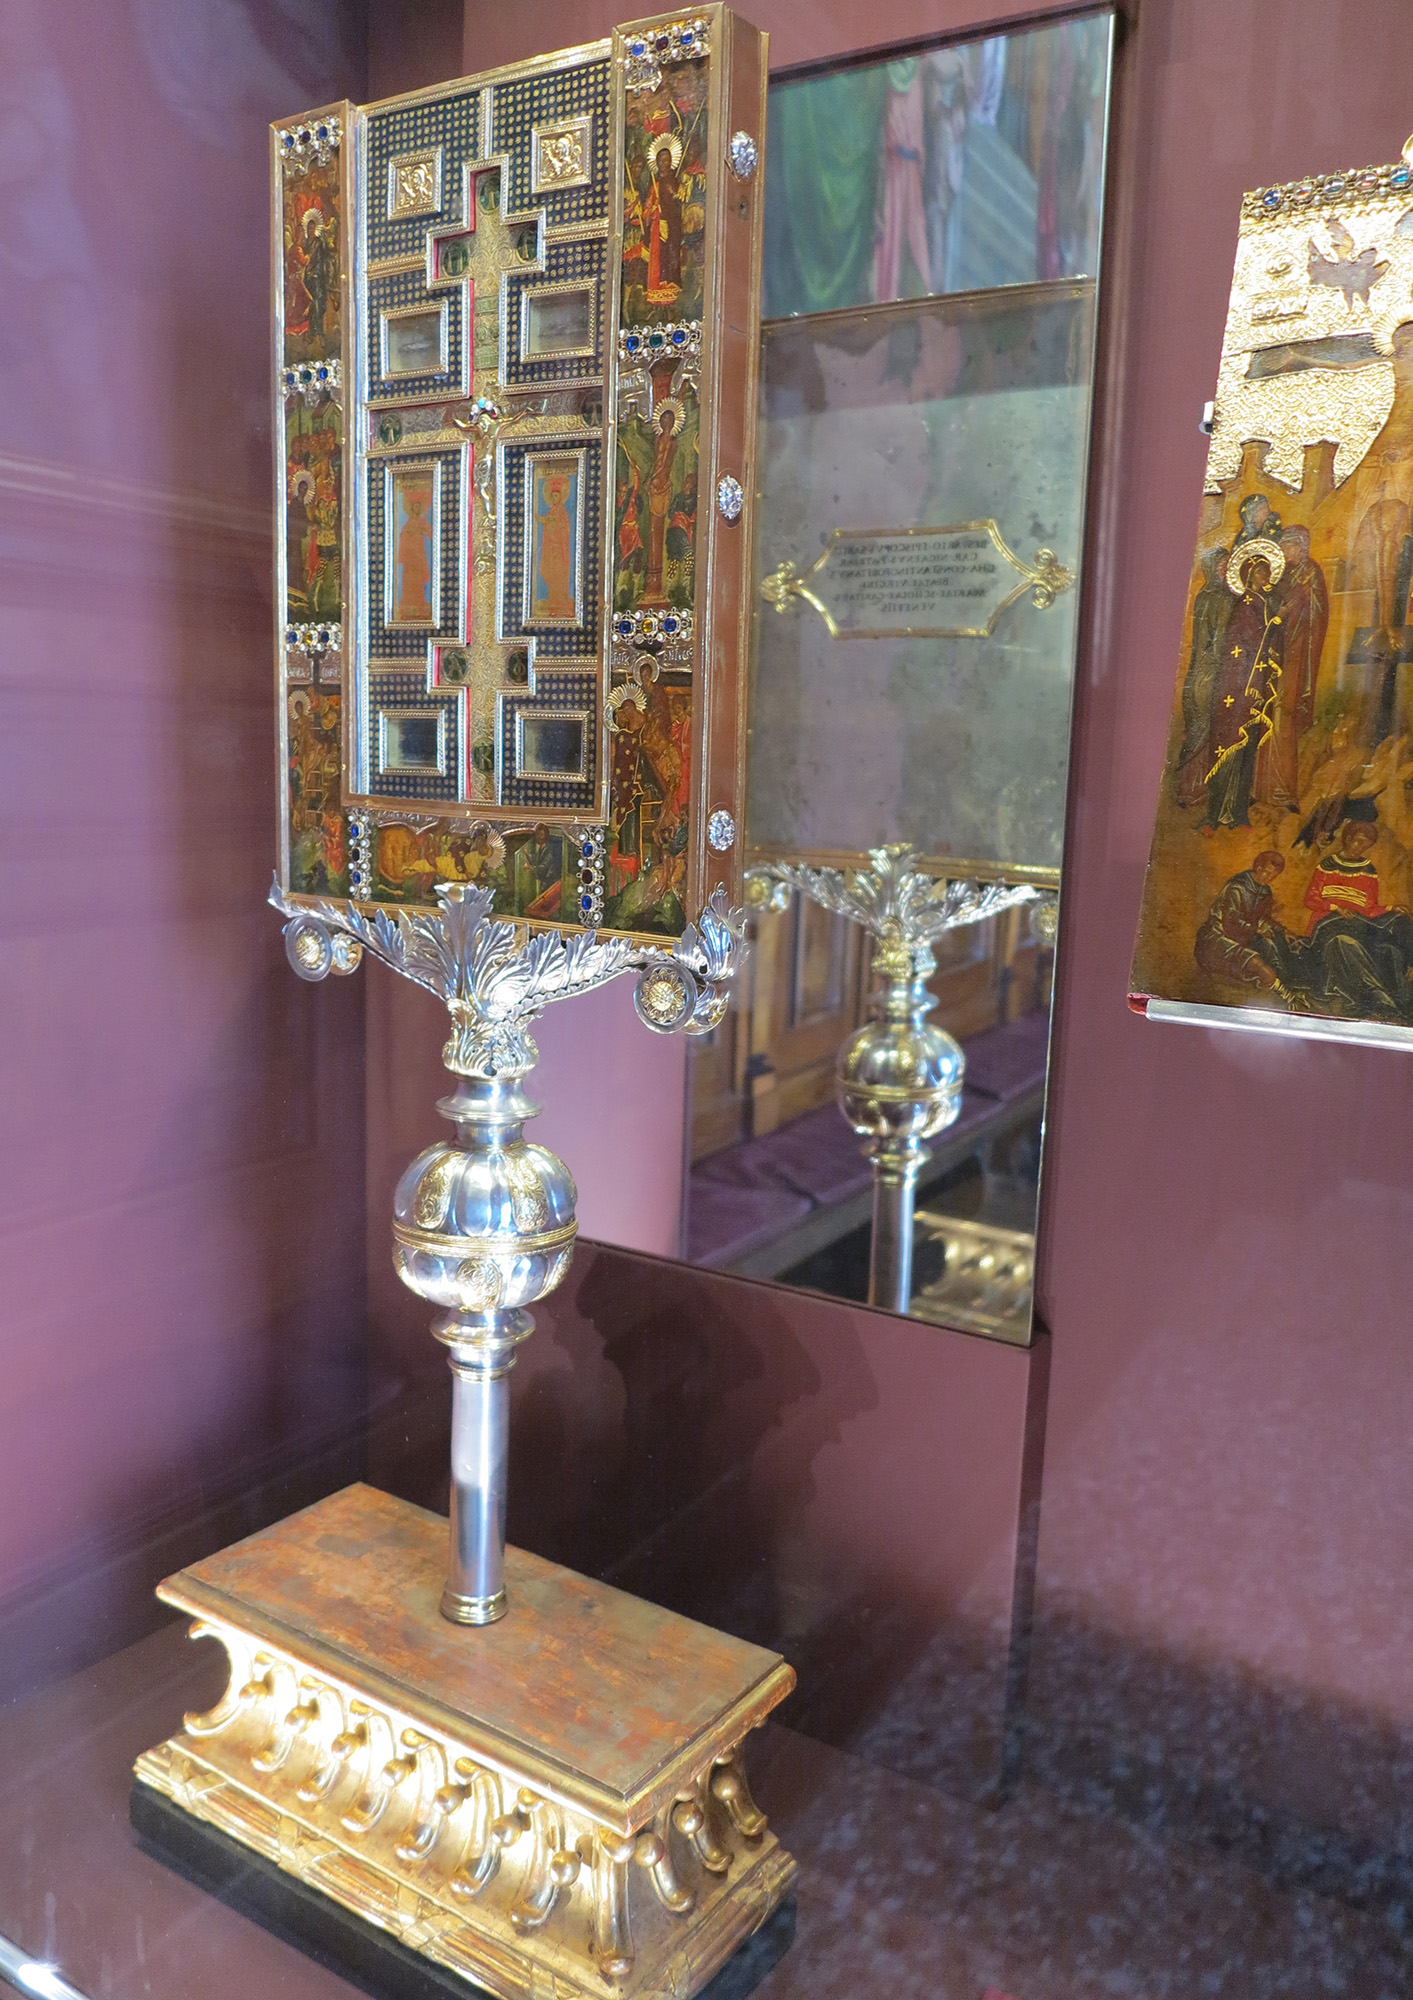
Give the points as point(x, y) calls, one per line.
point(662, 219)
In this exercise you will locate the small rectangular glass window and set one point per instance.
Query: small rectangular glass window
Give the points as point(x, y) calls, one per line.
point(558, 322)
point(550, 746)
point(413, 742)
point(414, 343)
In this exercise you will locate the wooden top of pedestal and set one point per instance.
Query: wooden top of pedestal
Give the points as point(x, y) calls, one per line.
point(612, 1703)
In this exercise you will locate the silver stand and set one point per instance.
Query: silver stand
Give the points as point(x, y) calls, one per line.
point(899, 1079)
point(484, 1223)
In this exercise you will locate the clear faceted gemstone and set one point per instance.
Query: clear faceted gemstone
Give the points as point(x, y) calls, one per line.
point(721, 831)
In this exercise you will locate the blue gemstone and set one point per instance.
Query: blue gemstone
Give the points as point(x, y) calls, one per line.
point(637, 48)
point(321, 374)
point(588, 848)
point(632, 343)
point(1400, 177)
point(669, 624)
point(686, 38)
point(679, 336)
point(321, 131)
point(1272, 197)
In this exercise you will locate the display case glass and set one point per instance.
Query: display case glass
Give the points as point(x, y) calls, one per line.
point(1100, 1641)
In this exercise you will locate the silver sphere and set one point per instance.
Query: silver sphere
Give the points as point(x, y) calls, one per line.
point(900, 1080)
point(483, 1232)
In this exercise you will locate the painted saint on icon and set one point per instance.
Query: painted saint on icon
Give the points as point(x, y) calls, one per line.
point(556, 496)
point(660, 483)
point(412, 526)
point(662, 222)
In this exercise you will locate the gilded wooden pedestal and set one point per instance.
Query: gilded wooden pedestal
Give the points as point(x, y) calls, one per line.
point(551, 1805)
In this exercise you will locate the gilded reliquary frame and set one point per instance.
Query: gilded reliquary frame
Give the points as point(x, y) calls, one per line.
point(515, 335)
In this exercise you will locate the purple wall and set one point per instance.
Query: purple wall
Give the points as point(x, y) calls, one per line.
point(182, 1242)
point(1227, 1518)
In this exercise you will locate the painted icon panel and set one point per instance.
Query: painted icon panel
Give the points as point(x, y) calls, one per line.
point(656, 513)
point(313, 511)
point(554, 538)
point(533, 871)
point(318, 856)
point(647, 854)
point(664, 168)
point(1280, 881)
point(312, 226)
point(412, 548)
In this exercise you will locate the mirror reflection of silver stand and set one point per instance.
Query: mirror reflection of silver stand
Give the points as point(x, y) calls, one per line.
point(899, 1079)
point(484, 1225)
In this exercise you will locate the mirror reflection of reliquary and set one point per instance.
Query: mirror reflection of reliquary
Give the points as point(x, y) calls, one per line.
point(516, 333)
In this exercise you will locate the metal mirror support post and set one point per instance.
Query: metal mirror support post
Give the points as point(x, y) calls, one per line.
point(899, 1079)
point(483, 1224)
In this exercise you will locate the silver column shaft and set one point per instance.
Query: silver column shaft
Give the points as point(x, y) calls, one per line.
point(480, 1454)
point(900, 1080)
point(890, 1262)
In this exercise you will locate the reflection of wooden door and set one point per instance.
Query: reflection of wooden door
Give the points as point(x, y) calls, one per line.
point(774, 1058)
point(808, 997)
point(806, 990)
point(988, 974)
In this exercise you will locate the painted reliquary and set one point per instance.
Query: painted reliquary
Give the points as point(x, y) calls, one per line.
point(516, 337)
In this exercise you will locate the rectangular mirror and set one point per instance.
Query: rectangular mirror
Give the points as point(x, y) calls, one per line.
point(931, 262)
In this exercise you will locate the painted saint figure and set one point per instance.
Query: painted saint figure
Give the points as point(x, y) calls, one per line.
point(662, 221)
point(303, 559)
point(1257, 520)
point(1210, 614)
point(902, 220)
point(1383, 552)
point(413, 596)
point(660, 485)
point(539, 875)
point(1245, 692)
point(1357, 957)
point(1305, 617)
point(321, 271)
point(553, 593)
